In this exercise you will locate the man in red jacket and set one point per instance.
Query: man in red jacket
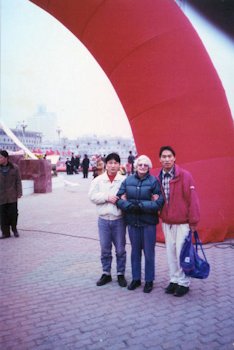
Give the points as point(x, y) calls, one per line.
point(181, 213)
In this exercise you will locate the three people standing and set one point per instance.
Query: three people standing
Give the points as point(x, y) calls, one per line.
point(141, 201)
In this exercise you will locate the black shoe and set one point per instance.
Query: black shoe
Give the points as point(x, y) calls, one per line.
point(122, 281)
point(16, 233)
point(104, 280)
point(148, 287)
point(4, 236)
point(6, 233)
point(134, 284)
point(171, 288)
point(180, 291)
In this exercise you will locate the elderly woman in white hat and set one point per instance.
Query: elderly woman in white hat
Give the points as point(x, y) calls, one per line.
point(140, 200)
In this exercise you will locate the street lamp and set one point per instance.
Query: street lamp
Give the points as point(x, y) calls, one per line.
point(59, 130)
point(23, 126)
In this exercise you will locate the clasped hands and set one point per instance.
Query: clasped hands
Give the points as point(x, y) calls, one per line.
point(112, 199)
point(154, 197)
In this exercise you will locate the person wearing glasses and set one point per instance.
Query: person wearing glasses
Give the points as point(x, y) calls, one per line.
point(140, 199)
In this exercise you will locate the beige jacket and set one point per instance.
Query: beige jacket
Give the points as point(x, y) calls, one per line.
point(100, 188)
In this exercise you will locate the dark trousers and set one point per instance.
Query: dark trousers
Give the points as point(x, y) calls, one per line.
point(143, 239)
point(9, 216)
point(85, 172)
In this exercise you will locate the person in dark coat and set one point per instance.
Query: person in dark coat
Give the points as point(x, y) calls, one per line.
point(85, 166)
point(140, 200)
point(131, 160)
point(10, 191)
point(68, 167)
point(77, 164)
point(72, 164)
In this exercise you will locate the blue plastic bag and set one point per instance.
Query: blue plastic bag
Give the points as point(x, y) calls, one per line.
point(191, 263)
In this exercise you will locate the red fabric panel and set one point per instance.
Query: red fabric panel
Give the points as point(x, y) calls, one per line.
point(168, 88)
point(188, 124)
point(214, 184)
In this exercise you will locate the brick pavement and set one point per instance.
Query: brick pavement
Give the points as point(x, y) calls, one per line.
point(49, 297)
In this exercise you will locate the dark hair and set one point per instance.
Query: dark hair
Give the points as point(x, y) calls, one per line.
point(166, 148)
point(113, 156)
point(4, 154)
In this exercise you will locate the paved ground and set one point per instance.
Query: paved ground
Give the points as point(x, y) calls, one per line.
point(49, 298)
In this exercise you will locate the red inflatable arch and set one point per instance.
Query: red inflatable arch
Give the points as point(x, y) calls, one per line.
point(169, 89)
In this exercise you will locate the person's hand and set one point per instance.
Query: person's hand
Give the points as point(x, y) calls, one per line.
point(154, 197)
point(135, 209)
point(124, 197)
point(112, 199)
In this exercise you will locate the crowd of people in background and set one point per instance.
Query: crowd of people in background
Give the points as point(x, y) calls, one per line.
point(96, 165)
point(73, 165)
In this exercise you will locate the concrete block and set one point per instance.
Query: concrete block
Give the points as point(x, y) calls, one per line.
point(28, 187)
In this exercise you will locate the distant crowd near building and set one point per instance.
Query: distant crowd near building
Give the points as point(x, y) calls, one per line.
point(89, 144)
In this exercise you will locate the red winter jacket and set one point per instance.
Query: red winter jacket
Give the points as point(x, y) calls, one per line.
point(183, 206)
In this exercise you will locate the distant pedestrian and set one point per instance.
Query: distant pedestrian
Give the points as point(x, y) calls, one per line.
point(180, 214)
point(131, 160)
point(85, 166)
point(72, 161)
point(68, 167)
point(77, 164)
point(99, 168)
point(128, 169)
point(111, 225)
point(10, 191)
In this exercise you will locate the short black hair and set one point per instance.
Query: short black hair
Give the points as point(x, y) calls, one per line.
point(113, 156)
point(166, 148)
point(4, 153)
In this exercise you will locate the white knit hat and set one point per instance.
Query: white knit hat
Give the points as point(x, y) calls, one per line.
point(143, 159)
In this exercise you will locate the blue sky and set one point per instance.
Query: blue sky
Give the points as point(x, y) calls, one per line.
point(42, 63)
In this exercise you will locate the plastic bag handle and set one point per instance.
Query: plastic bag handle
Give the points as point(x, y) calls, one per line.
point(198, 243)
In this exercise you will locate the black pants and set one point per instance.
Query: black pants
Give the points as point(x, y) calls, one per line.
point(8, 217)
point(85, 172)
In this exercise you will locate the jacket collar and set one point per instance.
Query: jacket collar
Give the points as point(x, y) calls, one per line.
point(142, 178)
point(117, 177)
point(176, 173)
